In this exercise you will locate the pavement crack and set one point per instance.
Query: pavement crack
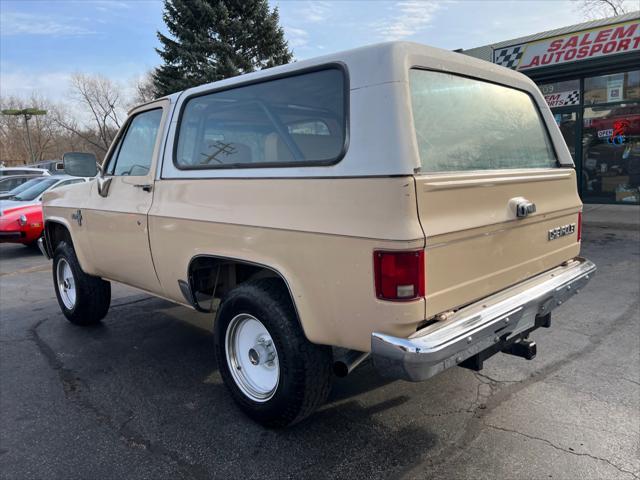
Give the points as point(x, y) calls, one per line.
point(630, 381)
point(498, 396)
point(75, 390)
point(494, 380)
point(562, 449)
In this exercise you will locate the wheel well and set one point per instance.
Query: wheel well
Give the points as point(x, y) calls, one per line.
point(56, 233)
point(211, 278)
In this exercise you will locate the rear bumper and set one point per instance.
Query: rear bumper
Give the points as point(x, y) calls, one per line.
point(479, 326)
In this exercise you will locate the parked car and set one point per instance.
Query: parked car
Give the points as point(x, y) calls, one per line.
point(20, 188)
point(53, 166)
point(12, 181)
point(22, 225)
point(34, 193)
point(6, 171)
point(398, 201)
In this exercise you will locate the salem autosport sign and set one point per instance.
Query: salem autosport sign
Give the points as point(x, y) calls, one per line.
point(572, 47)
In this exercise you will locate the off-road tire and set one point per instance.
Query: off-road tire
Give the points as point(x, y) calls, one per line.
point(93, 295)
point(305, 368)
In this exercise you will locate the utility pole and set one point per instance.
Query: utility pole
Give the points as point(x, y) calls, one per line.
point(26, 113)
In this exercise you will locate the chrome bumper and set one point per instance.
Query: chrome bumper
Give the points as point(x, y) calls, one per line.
point(479, 326)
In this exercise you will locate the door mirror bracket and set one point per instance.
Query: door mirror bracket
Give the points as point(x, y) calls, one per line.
point(103, 185)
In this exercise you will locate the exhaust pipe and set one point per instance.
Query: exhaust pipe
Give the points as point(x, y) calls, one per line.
point(346, 364)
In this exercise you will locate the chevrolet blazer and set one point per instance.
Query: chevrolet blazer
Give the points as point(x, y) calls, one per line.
point(398, 202)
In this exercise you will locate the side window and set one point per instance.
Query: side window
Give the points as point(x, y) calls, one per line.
point(299, 119)
point(13, 183)
point(68, 182)
point(134, 153)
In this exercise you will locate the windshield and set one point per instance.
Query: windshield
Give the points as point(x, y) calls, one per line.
point(34, 191)
point(24, 186)
point(467, 124)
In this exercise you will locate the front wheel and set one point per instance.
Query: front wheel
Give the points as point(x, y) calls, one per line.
point(273, 372)
point(84, 299)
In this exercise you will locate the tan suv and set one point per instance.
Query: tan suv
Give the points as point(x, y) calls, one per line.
point(396, 200)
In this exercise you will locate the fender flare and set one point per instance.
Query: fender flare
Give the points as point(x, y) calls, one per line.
point(187, 287)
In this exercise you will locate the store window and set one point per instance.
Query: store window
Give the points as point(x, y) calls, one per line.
point(618, 87)
point(561, 94)
point(567, 123)
point(611, 153)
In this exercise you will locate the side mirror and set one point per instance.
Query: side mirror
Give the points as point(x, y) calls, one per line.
point(80, 164)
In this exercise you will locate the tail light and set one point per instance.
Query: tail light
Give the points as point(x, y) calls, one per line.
point(579, 226)
point(399, 276)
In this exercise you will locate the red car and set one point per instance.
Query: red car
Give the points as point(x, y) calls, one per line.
point(21, 225)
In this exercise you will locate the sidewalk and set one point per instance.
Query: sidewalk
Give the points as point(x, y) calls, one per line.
point(612, 216)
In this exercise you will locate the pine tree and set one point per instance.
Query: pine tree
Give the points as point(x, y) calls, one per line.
point(216, 39)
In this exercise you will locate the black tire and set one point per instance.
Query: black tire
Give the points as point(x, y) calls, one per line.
point(304, 368)
point(92, 294)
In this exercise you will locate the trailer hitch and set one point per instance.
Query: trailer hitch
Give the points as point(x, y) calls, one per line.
point(524, 348)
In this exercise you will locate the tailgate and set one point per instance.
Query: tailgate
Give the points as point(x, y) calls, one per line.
point(476, 245)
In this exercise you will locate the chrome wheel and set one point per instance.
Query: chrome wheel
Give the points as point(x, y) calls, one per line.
point(66, 284)
point(252, 357)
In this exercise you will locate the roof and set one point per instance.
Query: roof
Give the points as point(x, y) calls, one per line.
point(379, 64)
point(379, 112)
point(485, 52)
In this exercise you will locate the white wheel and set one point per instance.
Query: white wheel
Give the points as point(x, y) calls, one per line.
point(66, 284)
point(252, 357)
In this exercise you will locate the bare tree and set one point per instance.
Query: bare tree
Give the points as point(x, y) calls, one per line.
point(14, 146)
point(101, 100)
point(144, 89)
point(593, 9)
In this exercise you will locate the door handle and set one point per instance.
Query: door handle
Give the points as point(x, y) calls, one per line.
point(522, 207)
point(144, 186)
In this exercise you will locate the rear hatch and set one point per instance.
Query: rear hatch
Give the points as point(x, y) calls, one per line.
point(486, 153)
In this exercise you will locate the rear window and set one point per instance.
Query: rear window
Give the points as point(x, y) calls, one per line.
point(467, 124)
point(296, 120)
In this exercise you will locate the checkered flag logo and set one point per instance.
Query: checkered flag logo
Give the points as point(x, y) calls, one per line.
point(509, 57)
point(573, 98)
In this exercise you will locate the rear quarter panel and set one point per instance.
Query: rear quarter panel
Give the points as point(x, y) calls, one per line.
point(319, 234)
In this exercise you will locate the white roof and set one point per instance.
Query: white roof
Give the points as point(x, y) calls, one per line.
point(381, 134)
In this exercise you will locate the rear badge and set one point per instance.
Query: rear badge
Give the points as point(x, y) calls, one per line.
point(562, 231)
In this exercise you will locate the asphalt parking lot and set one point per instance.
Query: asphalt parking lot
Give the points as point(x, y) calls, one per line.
point(140, 396)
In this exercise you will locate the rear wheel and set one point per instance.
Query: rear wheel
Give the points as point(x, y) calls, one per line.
point(84, 299)
point(273, 372)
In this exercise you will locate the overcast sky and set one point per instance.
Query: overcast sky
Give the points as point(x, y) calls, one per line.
point(43, 42)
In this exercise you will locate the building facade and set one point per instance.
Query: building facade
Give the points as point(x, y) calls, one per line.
point(590, 77)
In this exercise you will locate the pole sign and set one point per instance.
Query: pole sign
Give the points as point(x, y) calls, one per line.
point(571, 47)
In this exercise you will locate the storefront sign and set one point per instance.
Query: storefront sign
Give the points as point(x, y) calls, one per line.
point(599, 42)
point(562, 99)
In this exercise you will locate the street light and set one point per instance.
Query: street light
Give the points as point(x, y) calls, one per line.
point(26, 113)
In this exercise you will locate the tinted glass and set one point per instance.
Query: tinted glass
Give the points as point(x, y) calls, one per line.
point(466, 124)
point(135, 152)
point(4, 173)
point(36, 190)
point(612, 88)
point(293, 119)
point(10, 183)
point(27, 184)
